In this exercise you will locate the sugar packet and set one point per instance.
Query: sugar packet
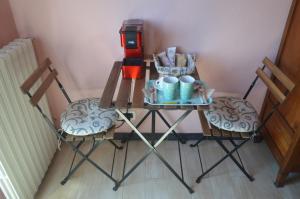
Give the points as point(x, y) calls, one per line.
point(171, 55)
point(181, 60)
point(164, 59)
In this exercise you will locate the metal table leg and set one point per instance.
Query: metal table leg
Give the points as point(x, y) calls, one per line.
point(168, 125)
point(152, 127)
point(153, 149)
point(137, 126)
point(198, 142)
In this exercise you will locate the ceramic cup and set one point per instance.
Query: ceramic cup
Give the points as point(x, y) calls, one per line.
point(186, 87)
point(168, 86)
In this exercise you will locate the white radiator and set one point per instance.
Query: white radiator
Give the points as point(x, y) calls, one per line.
point(27, 144)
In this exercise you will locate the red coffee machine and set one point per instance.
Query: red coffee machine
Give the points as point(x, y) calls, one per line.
point(131, 34)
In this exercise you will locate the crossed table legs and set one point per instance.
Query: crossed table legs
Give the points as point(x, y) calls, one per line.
point(152, 148)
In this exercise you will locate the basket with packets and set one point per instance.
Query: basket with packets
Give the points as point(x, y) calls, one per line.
point(172, 63)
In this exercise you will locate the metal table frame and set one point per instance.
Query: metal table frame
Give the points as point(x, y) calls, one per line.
point(153, 114)
point(152, 149)
point(123, 102)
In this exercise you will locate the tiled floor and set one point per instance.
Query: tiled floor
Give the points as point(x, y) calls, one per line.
point(152, 180)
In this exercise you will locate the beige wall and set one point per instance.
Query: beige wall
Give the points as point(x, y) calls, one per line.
point(8, 30)
point(81, 37)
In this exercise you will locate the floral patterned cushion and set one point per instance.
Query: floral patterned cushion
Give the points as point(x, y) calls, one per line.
point(232, 114)
point(85, 117)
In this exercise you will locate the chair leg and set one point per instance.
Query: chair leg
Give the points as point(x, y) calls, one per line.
point(221, 160)
point(200, 159)
point(113, 162)
point(85, 157)
point(237, 152)
point(234, 160)
point(75, 153)
point(72, 170)
point(115, 145)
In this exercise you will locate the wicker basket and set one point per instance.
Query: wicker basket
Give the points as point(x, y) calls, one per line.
point(176, 70)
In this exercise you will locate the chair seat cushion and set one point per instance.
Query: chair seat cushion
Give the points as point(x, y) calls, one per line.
point(232, 114)
point(85, 117)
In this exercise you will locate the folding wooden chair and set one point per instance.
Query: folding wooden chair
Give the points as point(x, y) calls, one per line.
point(82, 121)
point(231, 118)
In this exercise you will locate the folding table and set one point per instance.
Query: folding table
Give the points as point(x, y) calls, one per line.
point(124, 101)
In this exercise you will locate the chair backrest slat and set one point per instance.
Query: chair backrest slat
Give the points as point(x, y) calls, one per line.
point(29, 82)
point(271, 86)
point(279, 74)
point(43, 88)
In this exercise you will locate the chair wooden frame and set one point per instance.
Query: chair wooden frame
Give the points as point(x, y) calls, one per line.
point(212, 132)
point(97, 139)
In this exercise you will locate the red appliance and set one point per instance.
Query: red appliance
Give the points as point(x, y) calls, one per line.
point(131, 34)
point(133, 68)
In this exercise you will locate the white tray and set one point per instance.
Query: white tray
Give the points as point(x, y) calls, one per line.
point(195, 100)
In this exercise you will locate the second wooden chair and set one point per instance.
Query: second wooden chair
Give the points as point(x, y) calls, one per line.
point(231, 118)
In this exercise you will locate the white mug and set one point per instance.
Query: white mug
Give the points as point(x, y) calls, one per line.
point(168, 85)
point(186, 87)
